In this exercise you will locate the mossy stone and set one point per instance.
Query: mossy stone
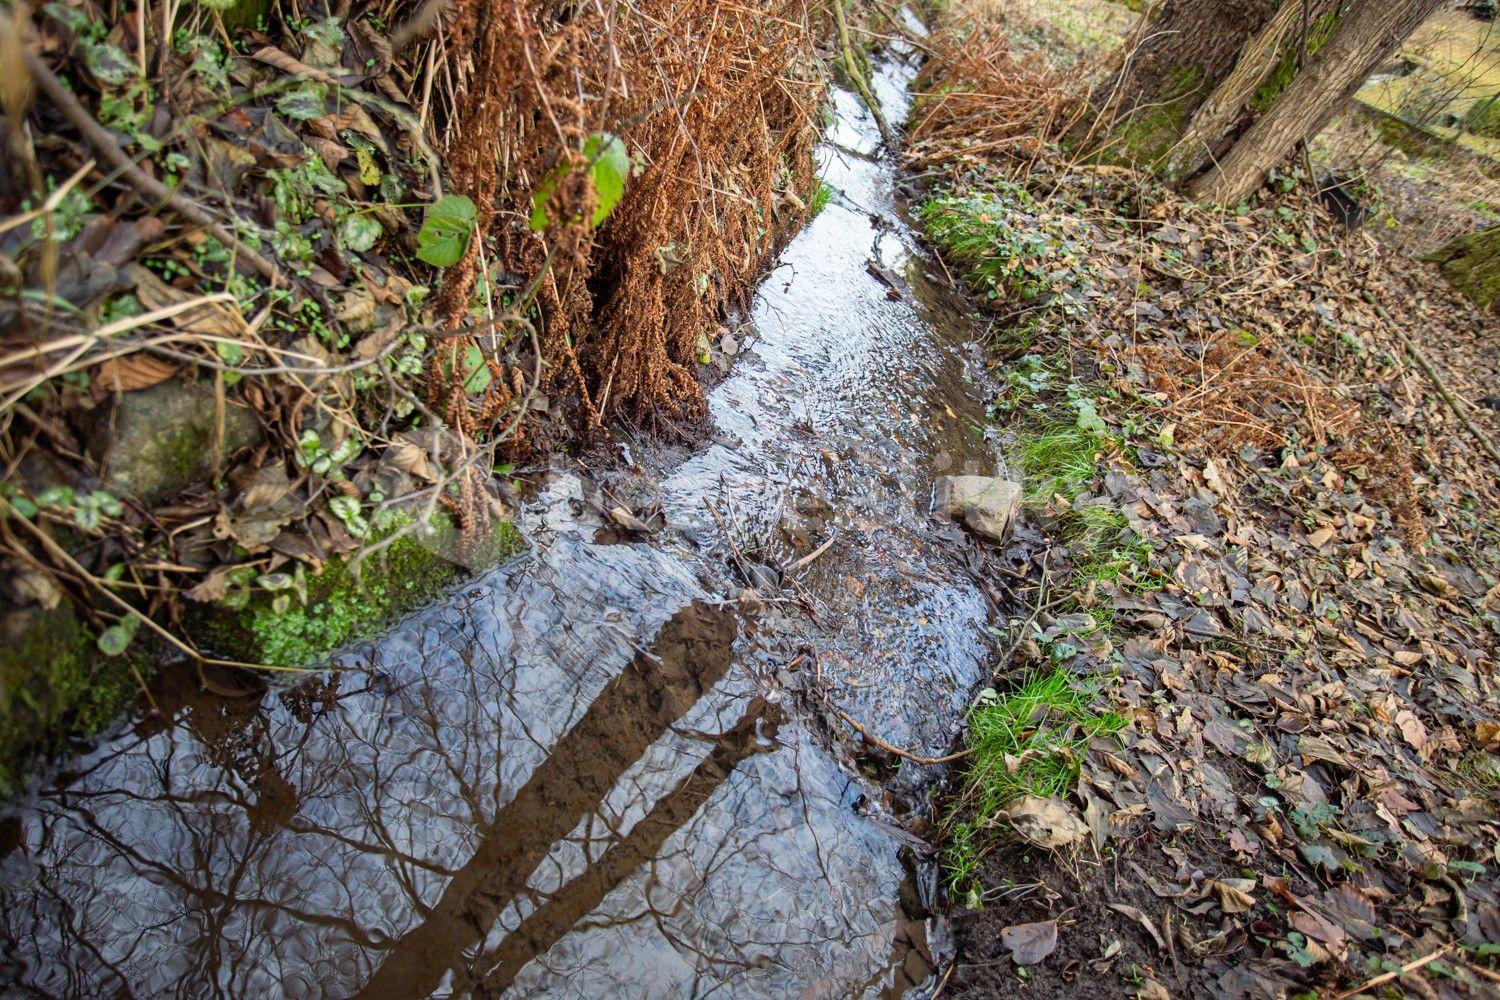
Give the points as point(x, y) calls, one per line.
point(344, 603)
point(54, 685)
point(156, 442)
point(1472, 264)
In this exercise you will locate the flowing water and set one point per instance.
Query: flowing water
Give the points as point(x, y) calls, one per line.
point(594, 772)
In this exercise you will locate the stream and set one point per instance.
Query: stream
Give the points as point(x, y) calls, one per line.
point(606, 769)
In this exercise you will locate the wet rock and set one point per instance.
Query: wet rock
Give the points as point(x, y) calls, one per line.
point(158, 441)
point(985, 504)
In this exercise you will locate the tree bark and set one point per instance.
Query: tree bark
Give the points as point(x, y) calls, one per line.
point(1168, 67)
point(1226, 112)
point(1366, 34)
point(1472, 264)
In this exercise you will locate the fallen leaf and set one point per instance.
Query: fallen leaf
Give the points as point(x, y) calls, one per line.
point(1047, 823)
point(1141, 919)
point(1028, 944)
point(133, 372)
point(1234, 894)
point(1411, 728)
point(1488, 735)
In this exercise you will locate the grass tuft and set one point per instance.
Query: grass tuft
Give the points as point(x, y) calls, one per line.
point(1057, 461)
point(1029, 742)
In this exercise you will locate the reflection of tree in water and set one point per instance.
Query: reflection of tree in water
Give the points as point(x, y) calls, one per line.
point(363, 830)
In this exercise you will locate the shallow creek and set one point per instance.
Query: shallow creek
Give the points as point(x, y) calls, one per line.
point(592, 772)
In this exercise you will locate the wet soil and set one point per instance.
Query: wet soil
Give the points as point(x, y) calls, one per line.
point(615, 767)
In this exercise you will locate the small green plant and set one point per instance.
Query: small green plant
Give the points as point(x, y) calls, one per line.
point(1031, 741)
point(820, 199)
point(609, 166)
point(446, 231)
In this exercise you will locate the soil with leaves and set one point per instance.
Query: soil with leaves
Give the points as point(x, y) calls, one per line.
point(1248, 741)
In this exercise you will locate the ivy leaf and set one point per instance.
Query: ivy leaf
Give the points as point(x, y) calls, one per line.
point(446, 231)
point(359, 232)
point(305, 102)
point(109, 63)
point(611, 168)
point(114, 640)
point(351, 512)
point(476, 373)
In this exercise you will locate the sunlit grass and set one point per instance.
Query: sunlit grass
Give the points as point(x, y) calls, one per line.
point(1031, 741)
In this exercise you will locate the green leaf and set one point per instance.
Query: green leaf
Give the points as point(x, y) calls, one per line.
point(23, 507)
point(475, 372)
point(305, 102)
point(611, 168)
point(351, 512)
point(114, 640)
point(446, 231)
point(359, 232)
point(109, 63)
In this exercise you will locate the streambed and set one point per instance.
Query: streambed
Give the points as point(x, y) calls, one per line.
point(597, 771)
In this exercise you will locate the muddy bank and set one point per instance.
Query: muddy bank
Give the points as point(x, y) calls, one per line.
point(610, 768)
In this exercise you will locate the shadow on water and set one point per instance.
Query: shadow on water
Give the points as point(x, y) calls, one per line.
point(577, 776)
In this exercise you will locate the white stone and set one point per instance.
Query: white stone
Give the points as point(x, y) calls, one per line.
point(985, 504)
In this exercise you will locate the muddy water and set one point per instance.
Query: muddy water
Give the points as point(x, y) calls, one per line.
point(591, 773)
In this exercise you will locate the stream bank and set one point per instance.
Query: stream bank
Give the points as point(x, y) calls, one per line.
point(617, 766)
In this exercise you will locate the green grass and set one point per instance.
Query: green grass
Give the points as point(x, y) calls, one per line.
point(820, 199)
point(1057, 461)
point(1029, 742)
point(998, 245)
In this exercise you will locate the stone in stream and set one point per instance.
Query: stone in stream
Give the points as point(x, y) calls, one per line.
point(985, 504)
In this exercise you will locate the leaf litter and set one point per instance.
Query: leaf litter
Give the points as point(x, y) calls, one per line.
point(1280, 565)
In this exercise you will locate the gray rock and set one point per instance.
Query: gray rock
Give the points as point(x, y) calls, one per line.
point(985, 504)
point(157, 442)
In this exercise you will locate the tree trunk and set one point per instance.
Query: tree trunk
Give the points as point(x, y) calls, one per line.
point(1253, 83)
point(1167, 69)
point(1472, 264)
point(1366, 34)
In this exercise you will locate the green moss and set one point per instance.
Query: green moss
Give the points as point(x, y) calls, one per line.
point(182, 449)
point(1146, 135)
point(55, 685)
point(345, 603)
point(1484, 118)
point(1317, 33)
point(1472, 264)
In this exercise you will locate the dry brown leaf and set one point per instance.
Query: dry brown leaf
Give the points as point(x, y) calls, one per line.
point(1234, 895)
point(1488, 735)
point(133, 372)
point(1028, 944)
point(1047, 823)
point(1411, 728)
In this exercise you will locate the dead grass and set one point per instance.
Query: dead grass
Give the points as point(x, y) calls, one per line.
point(977, 99)
point(716, 105)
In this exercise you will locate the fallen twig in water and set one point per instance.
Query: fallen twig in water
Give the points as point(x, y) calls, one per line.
point(807, 559)
point(904, 754)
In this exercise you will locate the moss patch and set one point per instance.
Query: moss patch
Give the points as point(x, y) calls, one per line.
point(1146, 135)
point(1472, 264)
point(55, 685)
point(1265, 95)
point(344, 603)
